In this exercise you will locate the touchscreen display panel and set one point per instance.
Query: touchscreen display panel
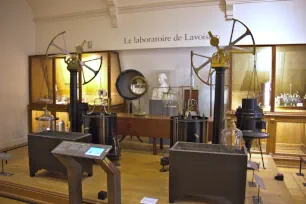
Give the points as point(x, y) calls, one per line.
point(94, 151)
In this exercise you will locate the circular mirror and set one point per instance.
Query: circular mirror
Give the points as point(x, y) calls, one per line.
point(138, 85)
point(123, 84)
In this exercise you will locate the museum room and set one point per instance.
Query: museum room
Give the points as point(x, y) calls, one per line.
point(153, 101)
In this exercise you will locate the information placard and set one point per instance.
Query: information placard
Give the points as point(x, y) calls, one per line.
point(82, 150)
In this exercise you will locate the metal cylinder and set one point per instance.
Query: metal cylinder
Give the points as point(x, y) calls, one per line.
point(218, 125)
point(61, 126)
point(102, 127)
point(250, 116)
point(192, 129)
point(73, 100)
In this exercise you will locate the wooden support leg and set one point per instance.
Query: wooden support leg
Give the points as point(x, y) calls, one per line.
point(161, 143)
point(113, 181)
point(74, 178)
point(154, 146)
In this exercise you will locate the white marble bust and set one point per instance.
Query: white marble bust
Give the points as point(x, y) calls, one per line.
point(163, 87)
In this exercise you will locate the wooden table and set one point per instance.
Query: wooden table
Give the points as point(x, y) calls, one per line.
point(146, 126)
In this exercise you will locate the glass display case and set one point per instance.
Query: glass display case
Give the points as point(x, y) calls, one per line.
point(90, 90)
point(63, 116)
point(290, 88)
point(41, 76)
point(281, 74)
point(49, 83)
point(46, 121)
point(242, 73)
point(35, 125)
point(62, 81)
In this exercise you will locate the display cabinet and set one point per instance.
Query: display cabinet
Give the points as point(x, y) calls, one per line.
point(244, 81)
point(290, 88)
point(49, 84)
point(280, 89)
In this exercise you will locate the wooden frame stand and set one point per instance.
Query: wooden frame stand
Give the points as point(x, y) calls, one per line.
point(75, 179)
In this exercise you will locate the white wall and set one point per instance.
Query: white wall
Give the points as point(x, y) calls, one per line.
point(277, 22)
point(175, 62)
point(17, 39)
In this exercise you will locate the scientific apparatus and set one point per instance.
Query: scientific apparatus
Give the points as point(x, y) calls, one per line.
point(132, 85)
point(250, 121)
point(219, 62)
point(102, 125)
point(232, 136)
point(74, 66)
point(46, 122)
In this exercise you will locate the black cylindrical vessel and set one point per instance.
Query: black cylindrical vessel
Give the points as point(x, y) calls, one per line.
point(73, 100)
point(190, 129)
point(103, 130)
point(250, 121)
point(219, 105)
point(250, 116)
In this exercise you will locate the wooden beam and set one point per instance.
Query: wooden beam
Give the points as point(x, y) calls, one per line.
point(113, 12)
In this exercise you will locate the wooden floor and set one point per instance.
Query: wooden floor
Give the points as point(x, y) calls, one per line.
point(294, 184)
point(140, 177)
point(10, 201)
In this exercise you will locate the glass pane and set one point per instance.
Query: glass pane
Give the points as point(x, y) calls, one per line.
point(263, 142)
point(290, 78)
point(290, 138)
point(242, 71)
point(256, 147)
point(34, 121)
point(62, 82)
point(115, 71)
point(41, 80)
point(90, 90)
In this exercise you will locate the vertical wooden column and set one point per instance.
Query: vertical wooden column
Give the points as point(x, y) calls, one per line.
point(113, 181)
point(53, 85)
point(272, 101)
point(230, 83)
point(74, 178)
point(30, 81)
point(80, 82)
point(109, 78)
point(272, 139)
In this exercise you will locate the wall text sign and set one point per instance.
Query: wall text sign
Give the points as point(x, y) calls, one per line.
point(163, 38)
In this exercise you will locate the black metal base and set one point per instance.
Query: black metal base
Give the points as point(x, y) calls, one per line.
point(122, 138)
point(164, 161)
point(257, 200)
point(102, 195)
point(249, 166)
point(5, 174)
point(299, 174)
point(252, 184)
point(163, 169)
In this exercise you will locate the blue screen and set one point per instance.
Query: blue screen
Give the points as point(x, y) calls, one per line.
point(94, 151)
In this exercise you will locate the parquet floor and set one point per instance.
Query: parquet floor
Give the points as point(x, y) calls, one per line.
point(140, 177)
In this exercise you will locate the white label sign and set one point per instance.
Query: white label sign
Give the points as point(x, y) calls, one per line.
point(146, 200)
point(254, 165)
point(259, 181)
